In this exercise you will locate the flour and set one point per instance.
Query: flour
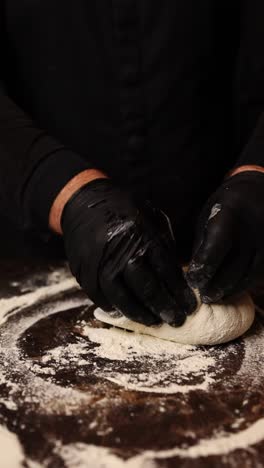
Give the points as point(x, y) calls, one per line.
point(9, 404)
point(156, 380)
point(169, 363)
point(45, 394)
point(11, 304)
point(120, 359)
point(90, 456)
point(12, 454)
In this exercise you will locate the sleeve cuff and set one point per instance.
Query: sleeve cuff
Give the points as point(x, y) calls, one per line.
point(47, 180)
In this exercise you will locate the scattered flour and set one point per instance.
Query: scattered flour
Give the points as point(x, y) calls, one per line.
point(150, 365)
point(91, 456)
point(10, 305)
point(9, 404)
point(169, 364)
point(47, 395)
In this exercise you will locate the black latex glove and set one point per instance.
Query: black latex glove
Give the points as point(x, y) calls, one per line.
point(229, 251)
point(123, 257)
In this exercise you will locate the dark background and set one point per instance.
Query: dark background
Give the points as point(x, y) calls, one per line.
point(17, 244)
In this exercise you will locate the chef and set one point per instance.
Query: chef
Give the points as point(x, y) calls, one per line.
point(134, 129)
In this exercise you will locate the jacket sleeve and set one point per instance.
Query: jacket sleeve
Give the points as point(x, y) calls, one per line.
point(248, 84)
point(28, 152)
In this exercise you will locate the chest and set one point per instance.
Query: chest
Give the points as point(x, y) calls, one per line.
point(182, 28)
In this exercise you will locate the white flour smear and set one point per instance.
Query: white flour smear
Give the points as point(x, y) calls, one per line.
point(90, 456)
point(128, 360)
point(12, 304)
point(11, 451)
point(170, 364)
point(34, 389)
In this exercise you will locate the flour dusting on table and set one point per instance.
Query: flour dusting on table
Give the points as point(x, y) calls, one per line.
point(169, 364)
point(87, 376)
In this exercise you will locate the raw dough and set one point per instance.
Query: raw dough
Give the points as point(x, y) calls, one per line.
point(208, 325)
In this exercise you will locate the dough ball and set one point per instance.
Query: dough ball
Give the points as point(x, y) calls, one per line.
point(208, 325)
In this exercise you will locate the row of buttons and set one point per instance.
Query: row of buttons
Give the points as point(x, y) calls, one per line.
point(126, 31)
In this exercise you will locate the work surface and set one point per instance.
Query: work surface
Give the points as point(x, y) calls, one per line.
point(74, 393)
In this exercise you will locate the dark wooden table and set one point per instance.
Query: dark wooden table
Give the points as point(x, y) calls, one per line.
point(57, 397)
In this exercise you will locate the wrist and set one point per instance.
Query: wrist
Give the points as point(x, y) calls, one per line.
point(66, 193)
point(244, 168)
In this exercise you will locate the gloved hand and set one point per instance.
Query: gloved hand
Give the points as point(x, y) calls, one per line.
point(124, 257)
point(229, 248)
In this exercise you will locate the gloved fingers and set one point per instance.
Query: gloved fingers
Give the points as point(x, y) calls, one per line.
point(159, 222)
point(145, 284)
point(125, 301)
point(74, 265)
point(171, 275)
point(93, 292)
point(165, 229)
point(253, 275)
point(218, 238)
point(77, 256)
point(228, 279)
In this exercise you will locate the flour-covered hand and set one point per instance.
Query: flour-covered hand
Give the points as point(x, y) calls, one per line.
point(229, 249)
point(123, 255)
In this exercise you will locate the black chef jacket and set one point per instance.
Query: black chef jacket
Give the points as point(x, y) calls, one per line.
point(163, 96)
